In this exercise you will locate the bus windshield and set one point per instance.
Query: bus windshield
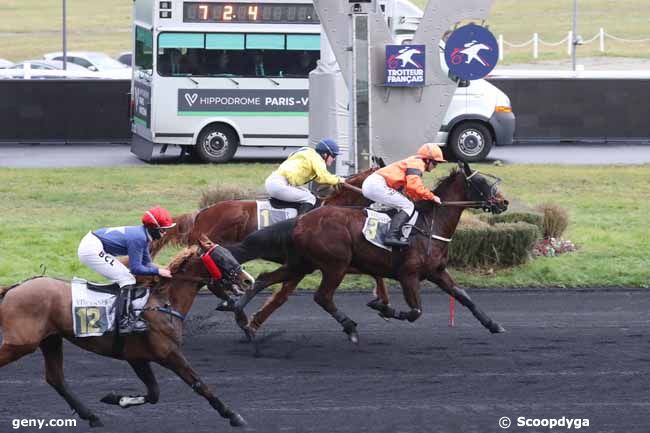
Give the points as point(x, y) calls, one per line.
point(237, 54)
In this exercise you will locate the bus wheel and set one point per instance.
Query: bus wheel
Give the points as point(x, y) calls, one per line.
point(470, 141)
point(216, 144)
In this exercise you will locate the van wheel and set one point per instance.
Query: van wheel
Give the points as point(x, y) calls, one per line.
point(216, 144)
point(471, 141)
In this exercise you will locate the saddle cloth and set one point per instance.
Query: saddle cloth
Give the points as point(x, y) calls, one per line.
point(377, 225)
point(93, 313)
point(268, 215)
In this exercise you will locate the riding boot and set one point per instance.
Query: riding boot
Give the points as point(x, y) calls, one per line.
point(304, 208)
point(394, 236)
point(123, 313)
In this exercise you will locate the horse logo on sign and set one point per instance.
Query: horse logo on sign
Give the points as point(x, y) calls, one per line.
point(471, 52)
point(405, 65)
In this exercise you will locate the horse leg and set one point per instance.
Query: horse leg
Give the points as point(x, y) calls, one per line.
point(274, 302)
point(144, 372)
point(381, 302)
point(177, 363)
point(280, 275)
point(10, 352)
point(52, 348)
point(324, 297)
point(447, 283)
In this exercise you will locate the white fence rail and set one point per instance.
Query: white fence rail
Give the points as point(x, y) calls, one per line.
point(569, 40)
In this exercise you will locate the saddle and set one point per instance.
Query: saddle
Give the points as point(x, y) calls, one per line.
point(280, 204)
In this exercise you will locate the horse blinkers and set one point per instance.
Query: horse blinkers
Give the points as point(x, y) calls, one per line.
point(484, 190)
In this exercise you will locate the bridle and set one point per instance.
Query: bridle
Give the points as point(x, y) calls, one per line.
point(486, 204)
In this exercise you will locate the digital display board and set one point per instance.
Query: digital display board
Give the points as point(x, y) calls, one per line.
point(263, 13)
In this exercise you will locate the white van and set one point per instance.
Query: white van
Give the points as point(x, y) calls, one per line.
point(479, 116)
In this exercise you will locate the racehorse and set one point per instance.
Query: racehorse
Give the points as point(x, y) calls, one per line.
point(232, 220)
point(38, 313)
point(330, 239)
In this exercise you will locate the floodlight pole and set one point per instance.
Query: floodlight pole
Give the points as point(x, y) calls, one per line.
point(574, 43)
point(65, 36)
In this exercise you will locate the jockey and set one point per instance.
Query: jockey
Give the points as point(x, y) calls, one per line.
point(98, 250)
point(303, 166)
point(382, 187)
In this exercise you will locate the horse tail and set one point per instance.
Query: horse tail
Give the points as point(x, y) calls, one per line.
point(270, 243)
point(176, 236)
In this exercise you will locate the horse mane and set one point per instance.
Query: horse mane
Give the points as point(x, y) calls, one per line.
point(181, 258)
point(177, 235)
point(358, 178)
point(447, 180)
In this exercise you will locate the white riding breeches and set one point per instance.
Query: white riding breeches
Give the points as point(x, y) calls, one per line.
point(91, 253)
point(375, 188)
point(279, 188)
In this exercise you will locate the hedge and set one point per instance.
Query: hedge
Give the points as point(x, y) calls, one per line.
point(498, 245)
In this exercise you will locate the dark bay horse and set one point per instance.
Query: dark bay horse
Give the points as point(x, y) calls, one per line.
point(38, 314)
point(232, 220)
point(330, 239)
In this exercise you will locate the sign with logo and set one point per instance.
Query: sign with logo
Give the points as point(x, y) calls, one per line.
point(471, 52)
point(142, 104)
point(405, 65)
point(261, 102)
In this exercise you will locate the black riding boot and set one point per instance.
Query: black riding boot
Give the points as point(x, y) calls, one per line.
point(304, 208)
point(394, 236)
point(125, 316)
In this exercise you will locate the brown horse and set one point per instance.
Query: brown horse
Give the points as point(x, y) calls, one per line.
point(232, 220)
point(38, 313)
point(330, 239)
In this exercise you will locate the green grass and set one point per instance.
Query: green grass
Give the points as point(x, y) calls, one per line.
point(45, 212)
point(98, 25)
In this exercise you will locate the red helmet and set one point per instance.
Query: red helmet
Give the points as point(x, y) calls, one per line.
point(158, 218)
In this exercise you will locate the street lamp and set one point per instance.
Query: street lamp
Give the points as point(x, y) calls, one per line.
point(65, 36)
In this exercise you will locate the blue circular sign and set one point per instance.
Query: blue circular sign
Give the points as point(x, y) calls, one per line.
point(471, 52)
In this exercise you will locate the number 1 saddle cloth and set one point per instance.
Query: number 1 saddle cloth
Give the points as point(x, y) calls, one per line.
point(267, 214)
point(377, 225)
point(93, 311)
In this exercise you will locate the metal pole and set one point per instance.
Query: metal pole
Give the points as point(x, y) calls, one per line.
point(65, 37)
point(575, 33)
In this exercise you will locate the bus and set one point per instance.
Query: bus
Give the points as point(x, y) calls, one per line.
point(212, 75)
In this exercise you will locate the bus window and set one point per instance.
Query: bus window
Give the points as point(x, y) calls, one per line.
point(143, 50)
point(237, 54)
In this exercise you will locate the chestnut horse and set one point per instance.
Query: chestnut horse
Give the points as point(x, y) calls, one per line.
point(232, 220)
point(330, 239)
point(38, 313)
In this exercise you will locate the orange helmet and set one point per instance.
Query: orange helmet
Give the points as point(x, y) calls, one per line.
point(431, 151)
point(158, 218)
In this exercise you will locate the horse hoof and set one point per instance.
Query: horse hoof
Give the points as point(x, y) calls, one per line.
point(226, 306)
point(250, 333)
point(95, 422)
point(111, 398)
point(376, 304)
point(353, 337)
point(497, 329)
point(236, 420)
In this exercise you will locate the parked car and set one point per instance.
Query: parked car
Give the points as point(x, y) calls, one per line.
point(5, 63)
point(52, 65)
point(102, 63)
point(126, 58)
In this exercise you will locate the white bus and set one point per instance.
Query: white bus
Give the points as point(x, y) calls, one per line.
point(214, 75)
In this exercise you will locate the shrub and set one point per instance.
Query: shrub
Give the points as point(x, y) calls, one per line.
point(218, 193)
point(499, 245)
point(530, 217)
point(556, 220)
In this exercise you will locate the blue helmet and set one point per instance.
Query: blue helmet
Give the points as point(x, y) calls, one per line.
point(328, 145)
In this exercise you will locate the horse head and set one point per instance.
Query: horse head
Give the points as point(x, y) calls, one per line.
point(482, 188)
point(207, 263)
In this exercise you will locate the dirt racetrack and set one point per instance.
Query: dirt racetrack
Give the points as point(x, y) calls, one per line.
point(573, 354)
